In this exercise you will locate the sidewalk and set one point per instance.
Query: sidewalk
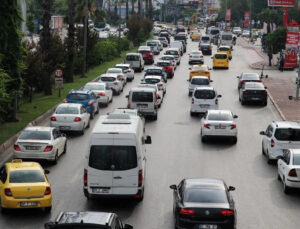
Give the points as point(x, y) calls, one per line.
point(280, 85)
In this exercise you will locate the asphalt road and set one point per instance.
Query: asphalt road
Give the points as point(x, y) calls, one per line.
point(177, 152)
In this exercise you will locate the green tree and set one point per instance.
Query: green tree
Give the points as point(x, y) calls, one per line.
point(269, 16)
point(276, 40)
point(29, 23)
point(4, 96)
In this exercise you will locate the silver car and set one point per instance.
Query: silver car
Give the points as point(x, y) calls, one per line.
point(113, 82)
point(119, 72)
point(102, 90)
point(129, 72)
point(196, 57)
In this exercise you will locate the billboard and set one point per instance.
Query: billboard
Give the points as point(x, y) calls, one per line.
point(228, 14)
point(282, 3)
point(246, 19)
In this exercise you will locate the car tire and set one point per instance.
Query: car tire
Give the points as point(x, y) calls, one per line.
point(142, 196)
point(107, 102)
point(234, 140)
point(97, 111)
point(48, 209)
point(4, 210)
point(54, 162)
point(265, 103)
point(192, 113)
point(111, 100)
point(88, 125)
point(155, 117)
point(286, 189)
point(65, 148)
point(242, 102)
point(82, 131)
point(203, 138)
point(262, 150)
point(278, 177)
point(190, 93)
point(269, 161)
point(92, 115)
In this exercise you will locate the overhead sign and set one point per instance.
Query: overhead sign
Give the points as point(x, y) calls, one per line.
point(281, 3)
point(228, 14)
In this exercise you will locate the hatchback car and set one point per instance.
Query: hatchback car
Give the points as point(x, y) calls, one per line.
point(203, 203)
point(127, 71)
point(198, 81)
point(247, 77)
point(102, 90)
point(199, 70)
point(219, 123)
point(70, 117)
point(220, 60)
point(226, 49)
point(175, 52)
point(206, 49)
point(205, 39)
point(278, 136)
point(113, 82)
point(195, 36)
point(196, 57)
point(89, 219)
point(168, 66)
point(253, 92)
point(119, 72)
point(24, 185)
point(40, 142)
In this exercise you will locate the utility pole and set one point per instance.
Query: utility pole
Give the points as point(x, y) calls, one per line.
point(85, 38)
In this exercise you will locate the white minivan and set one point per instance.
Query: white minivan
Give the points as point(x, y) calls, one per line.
point(116, 161)
point(136, 61)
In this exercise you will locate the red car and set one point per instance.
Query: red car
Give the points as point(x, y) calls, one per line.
point(168, 66)
point(147, 55)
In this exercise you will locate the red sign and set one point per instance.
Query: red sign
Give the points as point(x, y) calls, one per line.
point(291, 49)
point(58, 73)
point(282, 3)
point(228, 14)
point(247, 19)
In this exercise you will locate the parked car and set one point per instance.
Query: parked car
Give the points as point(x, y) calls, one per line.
point(253, 92)
point(102, 90)
point(203, 203)
point(196, 57)
point(113, 82)
point(70, 117)
point(198, 81)
point(218, 123)
point(247, 77)
point(280, 135)
point(135, 60)
point(40, 142)
point(168, 66)
point(129, 72)
point(147, 54)
point(206, 49)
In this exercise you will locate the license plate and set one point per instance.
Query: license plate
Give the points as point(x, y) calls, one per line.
point(220, 63)
point(204, 105)
point(196, 57)
point(28, 204)
point(142, 105)
point(64, 127)
point(207, 226)
point(220, 127)
point(255, 98)
point(32, 147)
point(100, 190)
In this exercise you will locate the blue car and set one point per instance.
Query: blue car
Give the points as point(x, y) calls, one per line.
point(87, 98)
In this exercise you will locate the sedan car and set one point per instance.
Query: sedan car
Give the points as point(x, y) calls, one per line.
point(115, 83)
point(118, 72)
point(219, 123)
point(127, 71)
point(196, 57)
point(24, 185)
point(253, 92)
point(102, 90)
point(203, 203)
point(206, 49)
point(70, 117)
point(168, 66)
point(247, 77)
point(198, 81)
point(40, 142)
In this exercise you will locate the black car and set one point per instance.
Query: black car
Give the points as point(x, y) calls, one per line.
point(247, 77)
point(84, 220)
point(203, 203)
point(253, 92)
point(156, 71)
point(206, 49)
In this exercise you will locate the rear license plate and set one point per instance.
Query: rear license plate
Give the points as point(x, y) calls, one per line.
point(196, 57)
point(220, 63)
point(100, 190)
point(204, 105)
point(32, 147)
point(28, 204)
point(142, 105)
point(220, 127)
point(207, 226)
point(64, 127)
point(255, 98)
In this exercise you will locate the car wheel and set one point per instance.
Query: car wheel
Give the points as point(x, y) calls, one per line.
point(97, 111)
point(262, 149)
point(65, 148)
point(190, 93)
point(142, 196)
point(107, 102)
point(203, 138)
point(89, 124)
point(234, 140)
point(55, 158)
point(111, 100)
point(268, 158)
point(155, 117)
point(265, 103)
point(278, 177)
point(92, 115)
point(48, 209)
point(4, 210)
point(286, 189)
point(242, 102)
point(192, 113)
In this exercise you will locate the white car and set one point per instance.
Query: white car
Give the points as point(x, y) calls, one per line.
point(170, 57)
point(204, 99)
point(40, 142)
point(129, 72)
point(174, 52)
point(177, 44)
point(102, 90)
point(119, 72)
point(246, 33)
point(70, 117)
point(219, 123)
point(159, 93)
point(198, 81)
point(196, 57)
point(158, 80)
point(114, 82)
point(289, 169)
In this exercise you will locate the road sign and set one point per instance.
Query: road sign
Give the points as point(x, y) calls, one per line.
point(58, 73)
point(59, 80)
point(282, 3)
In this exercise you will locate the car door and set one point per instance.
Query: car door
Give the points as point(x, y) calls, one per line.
point(3, 177)
point(85, 115)
point(57, 140)
point(267, 138)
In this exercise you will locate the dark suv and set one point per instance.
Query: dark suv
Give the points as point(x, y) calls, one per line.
point(78, 220)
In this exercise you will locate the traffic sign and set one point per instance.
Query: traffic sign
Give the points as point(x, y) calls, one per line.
point(58, 73)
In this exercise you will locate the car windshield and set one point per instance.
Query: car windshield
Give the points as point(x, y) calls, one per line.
point(171, 52)
point(220, 117)
point(114, 71)
point(132, 58)
point(67, 110)
point(152, 80)
point(287, 134)
point(204, 94)
point(107, 157)
point(108, 79)
point(205, 195)
point(144, 51)
point(227, 37)
point(26, 176)
point(94, 87)
point(35, 135)
point(204, 38)
point(77, 96)
point(214, 31)
point(150, 43)
point(142, 96)
point(153, 71)
point(221, 56)
point(200, 81)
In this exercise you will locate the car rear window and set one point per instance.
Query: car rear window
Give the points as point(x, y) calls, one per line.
point(205, 195)
point(142, 96)
point(204, 94)
point(287, 134)
point(153, 72)
point(144, 51)
point(151, 43)
point(35, 135)
point(132, 58)
point(163, 64)
point(26, 176)
point(108, 79)
point(67, 110)
point(219, 117)
point(214, 31)
point(78, 96)
point(107, 157)
point(220, 56)
point(171, 52)
point(199, 81)
point(204, 38)
point(224, 49)
point(152, 80)
point(167, 58)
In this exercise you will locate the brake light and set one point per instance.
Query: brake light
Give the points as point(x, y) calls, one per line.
point(243, 81)
point(141, 178)
point(128, 70)
point(65, 101)
point(77, 119)
point(227, 212)
point(201, 56)
point(90, 102)
point(233, 126)
point(193, 100)
point(157, 96)
point(184, 211)
point(48, 148)
point(53, 118)
point(8, 192)
point(85, 178)
point(116, 83)
point(160, 85)
point(101, 94)
point(17, 148)
point(190, 56)
point(292, 173)
point(47, 191)
point(272, 143)
point(265, 92)
point(128, 105)
point(216, 101)
point(245, 92)
point(206, 126)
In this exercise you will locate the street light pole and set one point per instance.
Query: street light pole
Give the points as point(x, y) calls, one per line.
point(85, 38)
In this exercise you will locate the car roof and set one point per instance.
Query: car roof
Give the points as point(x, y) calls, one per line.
point(295, 151)
point(154, 67)
point(286, 124)
point(95, 83)
point(200, 77)
point(173, 49)
point(163, 61)
point(100, 218)
point(171, 56)
point(78, 105)
point(153, 76)
point(123, 65)
point(133, 54)
point(148, 85)
point(147, 89)
point(224, 46)
point(219, 112)
point(200, 67)
point(114, 69)
point(39, 128)
point(205, 88)
point(195, 50)
point(204, 182)
point(109, 75)
point(18, 164)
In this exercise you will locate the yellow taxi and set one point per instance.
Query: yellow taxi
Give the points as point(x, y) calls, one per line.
point(199, 70)
point(227, 49)
point(196, 36)
point(220, 60)
point(24, 185)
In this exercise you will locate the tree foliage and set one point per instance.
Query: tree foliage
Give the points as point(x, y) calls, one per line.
point(276, 40)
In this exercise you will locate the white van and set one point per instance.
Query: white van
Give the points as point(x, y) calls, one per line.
point(135, 60)
point(226, 39)
point(144, 99)
point(116, 162)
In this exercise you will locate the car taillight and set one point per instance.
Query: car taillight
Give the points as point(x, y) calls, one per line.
point(77, 119)
point(265, 92)
point(292, 173)
point(206, 126)
point(243, 81)
point(90, 102)
point(65, 101)
point(128, 105)
point(116, 83)
point(184, 211)
point(17, 148)
point(193, 100)
point(201, 56)
point(209, 48)
point(216, 101)
point(8, 192)
point(129, 70)
point(227, 212)
point(160, 85)
point(272, 143)
point(190, 56)
point(47, 191)
point(141, 178)
point(85, 178)
point(101, 94)
point(157, 96)
point(245, 92)
point(48, 148)
point(233, 126)
point(53, 118)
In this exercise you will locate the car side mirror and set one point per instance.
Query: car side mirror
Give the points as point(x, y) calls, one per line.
point(235, 116)
point(173, 186)
point(148, 140)
point(219, 96)
point(127, 96)
point(238, 77)
point(211, 81)
point(128, 226)
point(46, 171)
point(231, 188)
point(262, 133)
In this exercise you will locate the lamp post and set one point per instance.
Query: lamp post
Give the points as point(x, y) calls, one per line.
point(85, 38)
